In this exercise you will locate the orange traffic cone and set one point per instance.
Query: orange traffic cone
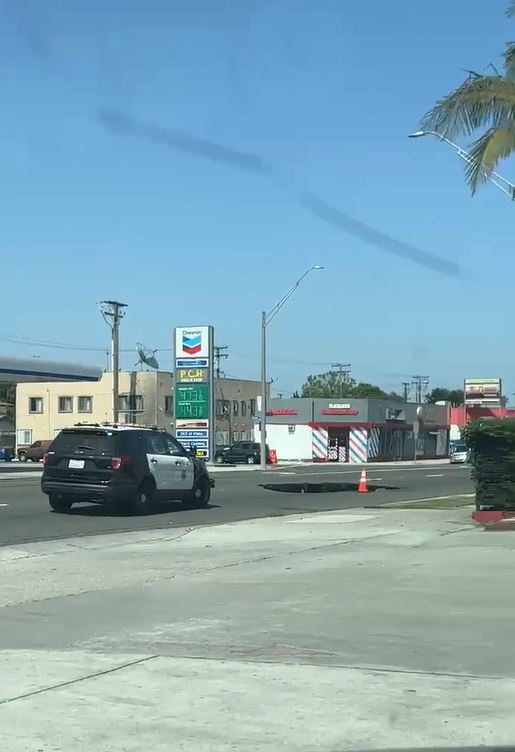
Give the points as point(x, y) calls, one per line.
point(362, 488)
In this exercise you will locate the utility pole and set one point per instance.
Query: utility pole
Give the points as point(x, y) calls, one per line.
point(342, 369)
point(219, 355)
point(112, 313)
point(419, 382)
point(406, 386)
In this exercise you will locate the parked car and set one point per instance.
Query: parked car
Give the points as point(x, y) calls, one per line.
point(220, 453)
point(245, 451)
point(35, 452)
point(133, 468)
point(459, 454)
point(6, 454)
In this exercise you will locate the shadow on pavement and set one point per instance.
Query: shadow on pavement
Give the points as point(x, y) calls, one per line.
point(104, 510)
point(322, 487)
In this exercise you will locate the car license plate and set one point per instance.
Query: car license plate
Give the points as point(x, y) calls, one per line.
point(76, 464)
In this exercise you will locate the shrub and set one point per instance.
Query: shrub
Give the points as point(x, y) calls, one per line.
point(492, 445)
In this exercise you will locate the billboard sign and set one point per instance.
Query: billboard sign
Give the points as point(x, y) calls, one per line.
point(184, 434)
point(192, 362)
point(483, 392)
point(192, 401)
point(192, 342)
point(194, 388)
point(198, 438)
point(192, 375)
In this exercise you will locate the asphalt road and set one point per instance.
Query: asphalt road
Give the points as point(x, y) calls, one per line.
point(238, 495)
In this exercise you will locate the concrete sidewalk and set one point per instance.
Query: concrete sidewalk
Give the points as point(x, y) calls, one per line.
point(342, 630)
point(289, 464)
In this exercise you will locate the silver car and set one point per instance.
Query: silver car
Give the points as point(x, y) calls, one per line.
point(459, 454)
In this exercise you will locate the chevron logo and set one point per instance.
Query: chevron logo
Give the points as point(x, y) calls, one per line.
point(191, 345)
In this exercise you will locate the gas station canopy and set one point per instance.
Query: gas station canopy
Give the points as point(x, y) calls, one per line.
point(19, 370)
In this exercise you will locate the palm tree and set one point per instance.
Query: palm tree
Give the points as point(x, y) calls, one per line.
point(481, 101)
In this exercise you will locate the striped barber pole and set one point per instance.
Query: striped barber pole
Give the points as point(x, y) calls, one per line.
point(319, 443)
point(358, 442)
point(373, 442)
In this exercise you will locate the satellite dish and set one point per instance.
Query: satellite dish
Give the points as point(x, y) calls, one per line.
point(146, 356)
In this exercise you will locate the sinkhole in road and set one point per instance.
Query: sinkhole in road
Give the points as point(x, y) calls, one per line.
point(322, 487)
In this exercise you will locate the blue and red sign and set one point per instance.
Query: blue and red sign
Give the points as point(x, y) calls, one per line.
point(191, 345)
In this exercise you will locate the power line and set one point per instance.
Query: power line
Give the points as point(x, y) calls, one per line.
point(113, 312)
point(343, 371)
point(220, 355)
point(56, 345)
point(68, 346)
point(419, 382)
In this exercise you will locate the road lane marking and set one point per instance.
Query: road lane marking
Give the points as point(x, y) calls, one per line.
point(435, 475)
point(358, 469)
point(4, 505)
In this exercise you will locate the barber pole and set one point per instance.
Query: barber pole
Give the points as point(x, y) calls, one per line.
point(358, 444)
point(319, 444)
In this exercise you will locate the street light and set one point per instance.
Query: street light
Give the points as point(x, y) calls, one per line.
point(504, 185)
point(266, 318)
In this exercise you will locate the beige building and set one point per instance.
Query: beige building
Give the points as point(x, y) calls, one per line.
point(146, 397)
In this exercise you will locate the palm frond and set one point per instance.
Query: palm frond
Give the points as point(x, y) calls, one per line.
point(487, 151)
point(509, 60)
point(510, 10)
point(478, 102)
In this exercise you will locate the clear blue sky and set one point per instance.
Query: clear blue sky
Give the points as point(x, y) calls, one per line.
point(325, 91)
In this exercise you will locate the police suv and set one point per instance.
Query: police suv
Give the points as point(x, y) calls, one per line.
point(132, 467)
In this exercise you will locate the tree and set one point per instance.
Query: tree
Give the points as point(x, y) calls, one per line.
point(482, 101)
point(441, 394)
point(327, 385)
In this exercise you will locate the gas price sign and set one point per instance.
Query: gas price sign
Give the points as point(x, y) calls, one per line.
point(192, 401)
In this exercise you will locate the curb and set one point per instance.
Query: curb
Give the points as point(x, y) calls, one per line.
point(425, 498)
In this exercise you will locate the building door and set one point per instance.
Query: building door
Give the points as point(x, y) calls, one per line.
point(338, 445)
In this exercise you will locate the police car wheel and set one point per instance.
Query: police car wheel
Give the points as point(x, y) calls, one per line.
point(59, 503)
point(143, 500)
point(201, 493)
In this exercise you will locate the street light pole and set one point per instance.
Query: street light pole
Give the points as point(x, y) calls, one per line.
point(499, 181)
point(262, 453)
point(266, 318)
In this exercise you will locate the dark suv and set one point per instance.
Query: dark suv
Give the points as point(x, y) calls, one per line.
point(244, 451)
point(130, 467)
point(34, 452)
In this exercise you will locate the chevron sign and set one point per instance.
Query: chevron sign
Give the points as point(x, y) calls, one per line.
point(191, 343)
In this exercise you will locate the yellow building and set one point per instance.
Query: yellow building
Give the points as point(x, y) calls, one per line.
point(146, 397)
point(44, 409)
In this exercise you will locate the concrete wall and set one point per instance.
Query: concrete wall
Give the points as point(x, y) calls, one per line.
point(340, 411)
point(289, 411)
point(294, 445)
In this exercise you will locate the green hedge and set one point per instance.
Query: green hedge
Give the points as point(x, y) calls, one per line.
point(492, 444)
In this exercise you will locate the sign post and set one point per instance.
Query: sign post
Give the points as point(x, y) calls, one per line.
point(416, 428)
point(194, 404)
